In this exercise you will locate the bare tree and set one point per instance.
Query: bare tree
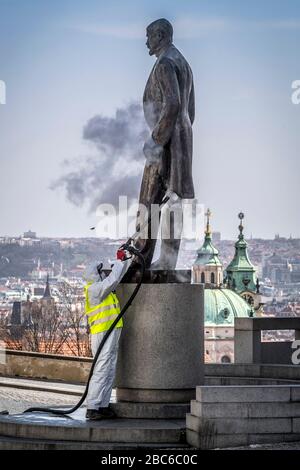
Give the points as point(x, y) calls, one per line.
point(72, 310)
point(49, 327)
point(44, 331)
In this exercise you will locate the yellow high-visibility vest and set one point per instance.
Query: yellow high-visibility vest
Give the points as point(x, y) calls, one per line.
point(101, 316)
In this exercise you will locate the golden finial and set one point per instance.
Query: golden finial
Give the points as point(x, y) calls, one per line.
point(208, 214)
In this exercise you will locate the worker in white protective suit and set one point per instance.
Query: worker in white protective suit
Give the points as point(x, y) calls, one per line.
point(102, 308)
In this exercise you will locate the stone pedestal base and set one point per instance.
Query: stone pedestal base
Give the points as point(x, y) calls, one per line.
point(135, 410)
point(161, 356)
point(156, 396)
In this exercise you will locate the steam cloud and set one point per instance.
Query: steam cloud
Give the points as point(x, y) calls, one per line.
point(116, 168)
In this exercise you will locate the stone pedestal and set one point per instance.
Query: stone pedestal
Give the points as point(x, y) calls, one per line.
point(161, 356)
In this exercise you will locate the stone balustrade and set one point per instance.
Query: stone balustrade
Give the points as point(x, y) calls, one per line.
point(249, 348)
point(74, 369)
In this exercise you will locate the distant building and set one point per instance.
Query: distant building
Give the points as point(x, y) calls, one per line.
point(16, 316)
point(38, 292)
point(29, 234)
point(29, 242)
point(15, 326)
point(41, 304)
point(47, 293)
point(295, 271)
point(277, 269)
point(47, 303)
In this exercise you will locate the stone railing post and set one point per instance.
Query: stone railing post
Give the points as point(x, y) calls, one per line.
point(247, 341)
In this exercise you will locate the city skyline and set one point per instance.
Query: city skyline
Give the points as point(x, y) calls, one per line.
point(65, 68)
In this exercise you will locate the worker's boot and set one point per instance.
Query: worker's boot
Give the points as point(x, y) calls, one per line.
point(101, 413)
point(107, 413)
point(93, 415)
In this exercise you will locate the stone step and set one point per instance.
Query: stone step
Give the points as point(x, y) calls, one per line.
point(46, 427)
point(248, 381)
point(151, 410)
point(239, 425)
point(245, 410)
point(223, 441)
point(247, 393)
point(211, 441)
point(264, 371)
point(13, 443)
point(296, 425)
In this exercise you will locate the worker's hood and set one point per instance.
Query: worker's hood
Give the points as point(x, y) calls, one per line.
point(91, 273)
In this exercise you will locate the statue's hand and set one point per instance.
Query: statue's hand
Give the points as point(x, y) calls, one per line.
point(153, 152)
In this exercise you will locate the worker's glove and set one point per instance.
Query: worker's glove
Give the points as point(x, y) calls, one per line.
point(123, 255)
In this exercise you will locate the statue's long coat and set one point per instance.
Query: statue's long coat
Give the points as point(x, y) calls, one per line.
point(169, 108)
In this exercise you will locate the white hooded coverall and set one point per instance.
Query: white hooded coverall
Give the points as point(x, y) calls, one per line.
point(101, 383)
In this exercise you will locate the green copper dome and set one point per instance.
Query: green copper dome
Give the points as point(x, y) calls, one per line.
point(208, 254)
point(223, 305)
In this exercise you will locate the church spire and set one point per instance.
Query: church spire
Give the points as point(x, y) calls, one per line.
point(241, 272)
point(208, 230)
point(47, 293)
point(241, 216)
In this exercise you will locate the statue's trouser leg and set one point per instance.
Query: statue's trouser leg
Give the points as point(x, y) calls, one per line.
point(171, 230)
point(152, 192)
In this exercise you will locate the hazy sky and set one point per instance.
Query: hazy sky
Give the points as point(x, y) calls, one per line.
point(65, 61)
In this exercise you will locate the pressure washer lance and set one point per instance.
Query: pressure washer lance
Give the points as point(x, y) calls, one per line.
point(129, 247)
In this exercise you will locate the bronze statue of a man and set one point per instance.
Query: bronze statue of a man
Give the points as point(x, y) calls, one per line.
point(169, 108)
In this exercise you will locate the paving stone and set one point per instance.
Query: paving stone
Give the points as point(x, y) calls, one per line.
point(290, 445)
point(245, 441)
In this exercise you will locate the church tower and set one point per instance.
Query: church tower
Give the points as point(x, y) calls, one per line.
point(47, 293)
point(47, 302)
point(207, 268)
point(241, 274)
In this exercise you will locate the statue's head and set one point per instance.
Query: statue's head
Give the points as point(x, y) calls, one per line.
point(159, 36)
